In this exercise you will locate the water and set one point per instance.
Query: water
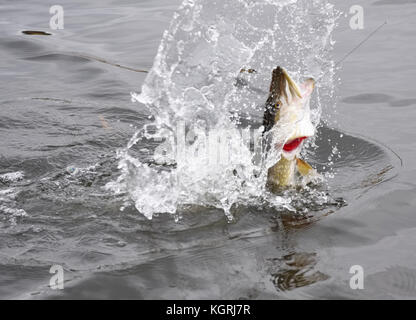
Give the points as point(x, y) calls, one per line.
point(66, 110)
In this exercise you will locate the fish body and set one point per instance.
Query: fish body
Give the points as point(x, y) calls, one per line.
point(287, 124)
point(281, 174)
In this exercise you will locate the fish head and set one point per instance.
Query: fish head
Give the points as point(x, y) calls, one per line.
point(288, 112)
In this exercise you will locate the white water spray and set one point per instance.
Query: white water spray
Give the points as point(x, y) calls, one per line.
point(193, 81)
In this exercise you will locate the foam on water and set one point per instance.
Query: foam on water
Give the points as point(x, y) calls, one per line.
point(9, 210)
point(11, 176)
point(192, 94)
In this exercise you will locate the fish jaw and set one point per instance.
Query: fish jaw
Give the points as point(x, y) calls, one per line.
point(290, 152)
point(303, 127)
point(293, 145)
point(297, 117)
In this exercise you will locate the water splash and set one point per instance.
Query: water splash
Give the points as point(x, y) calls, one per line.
point(195, 81)
point(11, 177)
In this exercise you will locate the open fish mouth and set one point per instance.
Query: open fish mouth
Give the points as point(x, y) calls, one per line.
point(293, 144)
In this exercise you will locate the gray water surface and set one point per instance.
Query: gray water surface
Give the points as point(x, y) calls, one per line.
point(65, 109)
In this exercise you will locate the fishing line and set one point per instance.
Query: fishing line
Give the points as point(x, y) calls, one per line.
point(355, 48)
point(102, 60)
point(361, 43)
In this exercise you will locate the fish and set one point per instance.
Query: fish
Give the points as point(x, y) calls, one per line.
point(287, 124)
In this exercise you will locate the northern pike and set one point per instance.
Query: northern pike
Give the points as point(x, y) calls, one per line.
point(287, 109)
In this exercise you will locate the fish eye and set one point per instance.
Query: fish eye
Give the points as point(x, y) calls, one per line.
point(277, 105)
